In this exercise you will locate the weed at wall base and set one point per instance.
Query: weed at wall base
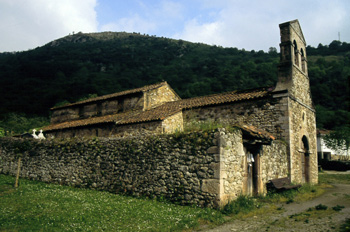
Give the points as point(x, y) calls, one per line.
point(243, 204)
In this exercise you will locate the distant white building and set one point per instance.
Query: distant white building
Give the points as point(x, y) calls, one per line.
point(327, 153)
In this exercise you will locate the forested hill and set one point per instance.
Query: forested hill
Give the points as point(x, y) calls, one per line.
point(76, 66)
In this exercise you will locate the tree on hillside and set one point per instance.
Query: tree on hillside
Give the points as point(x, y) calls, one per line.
point(2, 132)
point(102, 63)
point(339, 139)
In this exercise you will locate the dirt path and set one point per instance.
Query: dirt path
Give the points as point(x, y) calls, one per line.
point(293, 216)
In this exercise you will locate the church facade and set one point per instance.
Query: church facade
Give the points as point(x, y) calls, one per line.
point(284, 112)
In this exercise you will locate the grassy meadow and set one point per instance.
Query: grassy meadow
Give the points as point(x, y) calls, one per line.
point(37, 206)
point(324, 178)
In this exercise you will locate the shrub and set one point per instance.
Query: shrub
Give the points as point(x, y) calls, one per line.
point(242, 204)
point(2, 132)
point(338, 208)
point(346, 226)
point(321, 207)
point(334, 165)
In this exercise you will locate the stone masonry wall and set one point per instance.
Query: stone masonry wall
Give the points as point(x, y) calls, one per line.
point(110, 130)
point(268, 114)
point(301, 87)
point(173, 123)
point(233, 165)
point(174, 167)
point(273, 115)
point(303, 122)
point(65, 114)
point(199, 168)
point(273, 162)
point(157, 96)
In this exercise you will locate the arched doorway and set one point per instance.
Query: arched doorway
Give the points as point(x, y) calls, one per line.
point(305, 160)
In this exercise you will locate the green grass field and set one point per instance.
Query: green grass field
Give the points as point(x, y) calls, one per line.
point(324, 178)
point(36, 206)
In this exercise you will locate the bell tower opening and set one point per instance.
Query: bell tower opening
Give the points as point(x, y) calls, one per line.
point(303, 61)
point(296, 53)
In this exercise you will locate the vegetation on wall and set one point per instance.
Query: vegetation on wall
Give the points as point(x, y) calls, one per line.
point(80, 65)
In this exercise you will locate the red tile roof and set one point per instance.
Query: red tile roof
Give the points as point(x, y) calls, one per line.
point(256, 132)
point(113, 95)
point(221, 98)
point(119, 119)
point(165, 110)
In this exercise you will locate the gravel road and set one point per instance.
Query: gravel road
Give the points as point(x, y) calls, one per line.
point(284, 220)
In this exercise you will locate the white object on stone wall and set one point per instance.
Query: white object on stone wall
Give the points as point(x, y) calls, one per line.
point(34, 134)
point(41, 135)
point(250, 158)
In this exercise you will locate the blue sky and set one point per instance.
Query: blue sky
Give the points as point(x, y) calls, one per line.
point(248, 24)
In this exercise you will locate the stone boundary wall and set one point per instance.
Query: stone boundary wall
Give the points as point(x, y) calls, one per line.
point(109, 130)
point(189, 168)
point(172, 166)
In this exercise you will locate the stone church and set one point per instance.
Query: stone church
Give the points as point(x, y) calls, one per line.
point(284, 112)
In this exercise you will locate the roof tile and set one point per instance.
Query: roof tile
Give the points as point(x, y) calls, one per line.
point(163, 111)
point(256, 132)
point(113, 95)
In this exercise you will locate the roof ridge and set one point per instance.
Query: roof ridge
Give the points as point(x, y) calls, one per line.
point(235, 92)
point(269, 89)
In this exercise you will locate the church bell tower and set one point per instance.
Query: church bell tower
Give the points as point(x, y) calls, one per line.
point(293, 89)
point(292, 57)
